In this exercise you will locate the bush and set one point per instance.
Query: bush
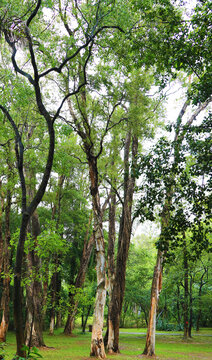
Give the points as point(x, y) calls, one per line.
point(164, 325)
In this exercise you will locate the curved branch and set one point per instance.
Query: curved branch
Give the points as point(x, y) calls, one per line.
point(79, 86)
point(34, 13)
point(19, 156)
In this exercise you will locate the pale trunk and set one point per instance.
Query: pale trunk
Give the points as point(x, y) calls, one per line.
point(97, 343)
point(155, 292)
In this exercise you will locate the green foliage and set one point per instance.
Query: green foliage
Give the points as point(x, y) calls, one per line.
point(32, 354)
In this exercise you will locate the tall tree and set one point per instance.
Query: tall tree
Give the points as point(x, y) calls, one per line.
point(17, 27)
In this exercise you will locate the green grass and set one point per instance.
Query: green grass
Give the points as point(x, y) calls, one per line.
point(61, 347)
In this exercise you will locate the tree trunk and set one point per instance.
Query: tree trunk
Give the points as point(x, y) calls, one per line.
point(87, 250)
point(123, 247)
point(190, 308)
point(5, 299)
point(97, 344)
point(199, 300)
point(186, 293)
point(53, 287)
point(84, 321)
point(109, 338)
point(178, 305)
point(155, 292)
point(34, 293)
point(18, 315)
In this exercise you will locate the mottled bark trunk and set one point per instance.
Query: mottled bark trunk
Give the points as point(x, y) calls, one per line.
point(155, 292)
point(123, 245)
point(97, 344)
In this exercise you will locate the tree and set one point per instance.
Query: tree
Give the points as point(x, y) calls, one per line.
point(17, 26)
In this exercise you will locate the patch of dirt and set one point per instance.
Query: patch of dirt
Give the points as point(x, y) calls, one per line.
point(148, 357)
point(47, 348)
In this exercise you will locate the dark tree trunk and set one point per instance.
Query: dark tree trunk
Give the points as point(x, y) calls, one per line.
point(178, 305)
point(123, 247)
point(87, 250)
point(5, 258)
point(186, 292)
point(199, 314)
point(190, 308)
point(111, 269)
point(55, 283)
point(53, 296)
point(34, 292)
point(18, 315)
point(84, 320)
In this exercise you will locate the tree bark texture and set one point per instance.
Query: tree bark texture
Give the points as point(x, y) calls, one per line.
point(97, 343)
point(27, 211)
point(123, 246)
point(34, 292)
point(155, 292)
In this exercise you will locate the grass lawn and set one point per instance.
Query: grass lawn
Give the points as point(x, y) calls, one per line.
point(171, 347)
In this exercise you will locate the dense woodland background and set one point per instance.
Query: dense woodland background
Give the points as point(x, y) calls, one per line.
point(89, 153)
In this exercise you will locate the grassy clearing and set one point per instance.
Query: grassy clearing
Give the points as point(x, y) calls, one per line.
point(61, 347)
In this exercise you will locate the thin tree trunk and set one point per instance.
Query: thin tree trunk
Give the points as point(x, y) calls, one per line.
point(178, 305)
point(123, 246)
point(55, 283)
point(87, 250)
point(5, 300)
point(186, 292)
point(190, 308)
point(109, 338)
point(155, 292)
point(84, 321)
point(199, 300)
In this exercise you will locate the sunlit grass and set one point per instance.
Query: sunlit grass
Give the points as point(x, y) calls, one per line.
point(77, 347)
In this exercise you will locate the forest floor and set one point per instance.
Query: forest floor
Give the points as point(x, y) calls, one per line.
point(169, 346)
